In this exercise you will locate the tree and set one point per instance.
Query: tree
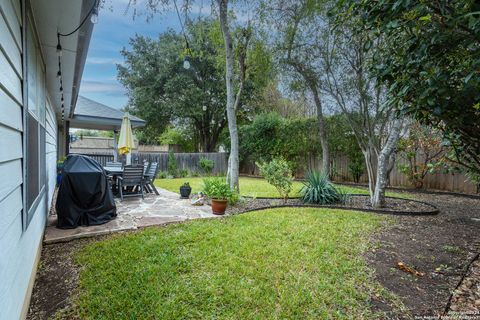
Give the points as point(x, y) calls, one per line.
point(423, 151)
point(363, 100)
point(162, 92)
point(233, 99)
point(298, 42)
point(177, 136)
point(431, 63)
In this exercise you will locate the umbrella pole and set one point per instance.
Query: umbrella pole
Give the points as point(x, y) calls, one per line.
point(115, 152)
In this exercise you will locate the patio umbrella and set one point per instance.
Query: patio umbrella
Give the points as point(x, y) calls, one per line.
point(125, 141)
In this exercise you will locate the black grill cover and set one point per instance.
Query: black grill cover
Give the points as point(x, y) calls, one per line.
point(84, 197)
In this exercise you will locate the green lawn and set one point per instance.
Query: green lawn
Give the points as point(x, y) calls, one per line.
point(300, 263)
point(254, 187)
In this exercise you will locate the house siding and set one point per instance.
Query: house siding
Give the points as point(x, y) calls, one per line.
point(19, 248)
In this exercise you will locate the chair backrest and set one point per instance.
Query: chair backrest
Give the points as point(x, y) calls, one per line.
point(152, 170)
point(132, 175)
point(114, 164)
point(146, 166)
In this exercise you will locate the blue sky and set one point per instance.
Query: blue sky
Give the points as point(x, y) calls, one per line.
point(110, 35)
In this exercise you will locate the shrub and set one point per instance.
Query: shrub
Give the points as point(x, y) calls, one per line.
point(217, 188)
point(172, 164)
point(206, 165)
point(317, 189)
point(195, 174)
point(271, 136)
point(356, 168)
point(278, 173)
point(183, 173)
point(162, 174)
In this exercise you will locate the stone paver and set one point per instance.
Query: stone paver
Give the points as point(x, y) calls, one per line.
point(134, 213)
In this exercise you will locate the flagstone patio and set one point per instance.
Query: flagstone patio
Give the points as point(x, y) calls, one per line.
point(134, 213)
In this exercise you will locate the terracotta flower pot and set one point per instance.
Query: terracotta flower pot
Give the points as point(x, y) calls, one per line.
point(219, 206)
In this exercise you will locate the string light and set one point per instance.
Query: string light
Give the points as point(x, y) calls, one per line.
point(93, 14)
point(186, 60)
point(59, 46)
point(186, 63)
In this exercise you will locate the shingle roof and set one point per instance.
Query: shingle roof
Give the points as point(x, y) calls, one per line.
point(90, 114)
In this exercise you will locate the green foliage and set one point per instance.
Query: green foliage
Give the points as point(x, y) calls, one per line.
point(318, 189)
point(217, 188)
point(342, 142)
point(180, 137)
point(430, 61)
point(93, 133)
point(423, 153)
point(206, 165)
point(183, 173)
point(172, 164)
point(271, 136)
point(162, 174)
point(277, 172)
point(356, 167)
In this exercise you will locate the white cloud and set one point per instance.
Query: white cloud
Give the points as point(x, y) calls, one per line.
point(103, 60)
point(107, 88)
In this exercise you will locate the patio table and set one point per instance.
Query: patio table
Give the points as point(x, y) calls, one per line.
point(114, 172)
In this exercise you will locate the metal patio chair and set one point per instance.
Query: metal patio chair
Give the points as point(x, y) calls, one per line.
point(132, 177)
point(150, 176)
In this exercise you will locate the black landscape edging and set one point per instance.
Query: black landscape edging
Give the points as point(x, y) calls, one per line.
point(466, 269)
point(434, 210)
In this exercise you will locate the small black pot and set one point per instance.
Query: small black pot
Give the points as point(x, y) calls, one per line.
point(185, 192)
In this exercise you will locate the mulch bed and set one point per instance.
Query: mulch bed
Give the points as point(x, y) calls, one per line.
point(440, 246)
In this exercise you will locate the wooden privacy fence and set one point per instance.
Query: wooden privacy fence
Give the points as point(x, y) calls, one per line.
point(453, 182)
point(185, 161)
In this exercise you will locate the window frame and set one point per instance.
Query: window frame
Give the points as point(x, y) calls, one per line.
point(30, 206)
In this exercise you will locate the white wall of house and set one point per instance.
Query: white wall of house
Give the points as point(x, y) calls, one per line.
point(19, 246)
point(51, 150)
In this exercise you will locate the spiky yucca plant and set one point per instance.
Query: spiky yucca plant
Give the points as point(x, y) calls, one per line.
point(317, 189)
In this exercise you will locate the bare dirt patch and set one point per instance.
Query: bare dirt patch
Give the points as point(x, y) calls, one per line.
point(439, 246)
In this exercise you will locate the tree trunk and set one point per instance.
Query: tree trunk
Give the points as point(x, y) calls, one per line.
point(378, 199)
point(322, 132)
point(233, 162)
point(367, 154)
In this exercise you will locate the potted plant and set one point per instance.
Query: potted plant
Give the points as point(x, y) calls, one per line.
point(219, 193)
point(185, 190)
point(60, 164)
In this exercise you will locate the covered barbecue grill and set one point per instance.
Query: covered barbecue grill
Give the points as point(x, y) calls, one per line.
point(84, 197)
